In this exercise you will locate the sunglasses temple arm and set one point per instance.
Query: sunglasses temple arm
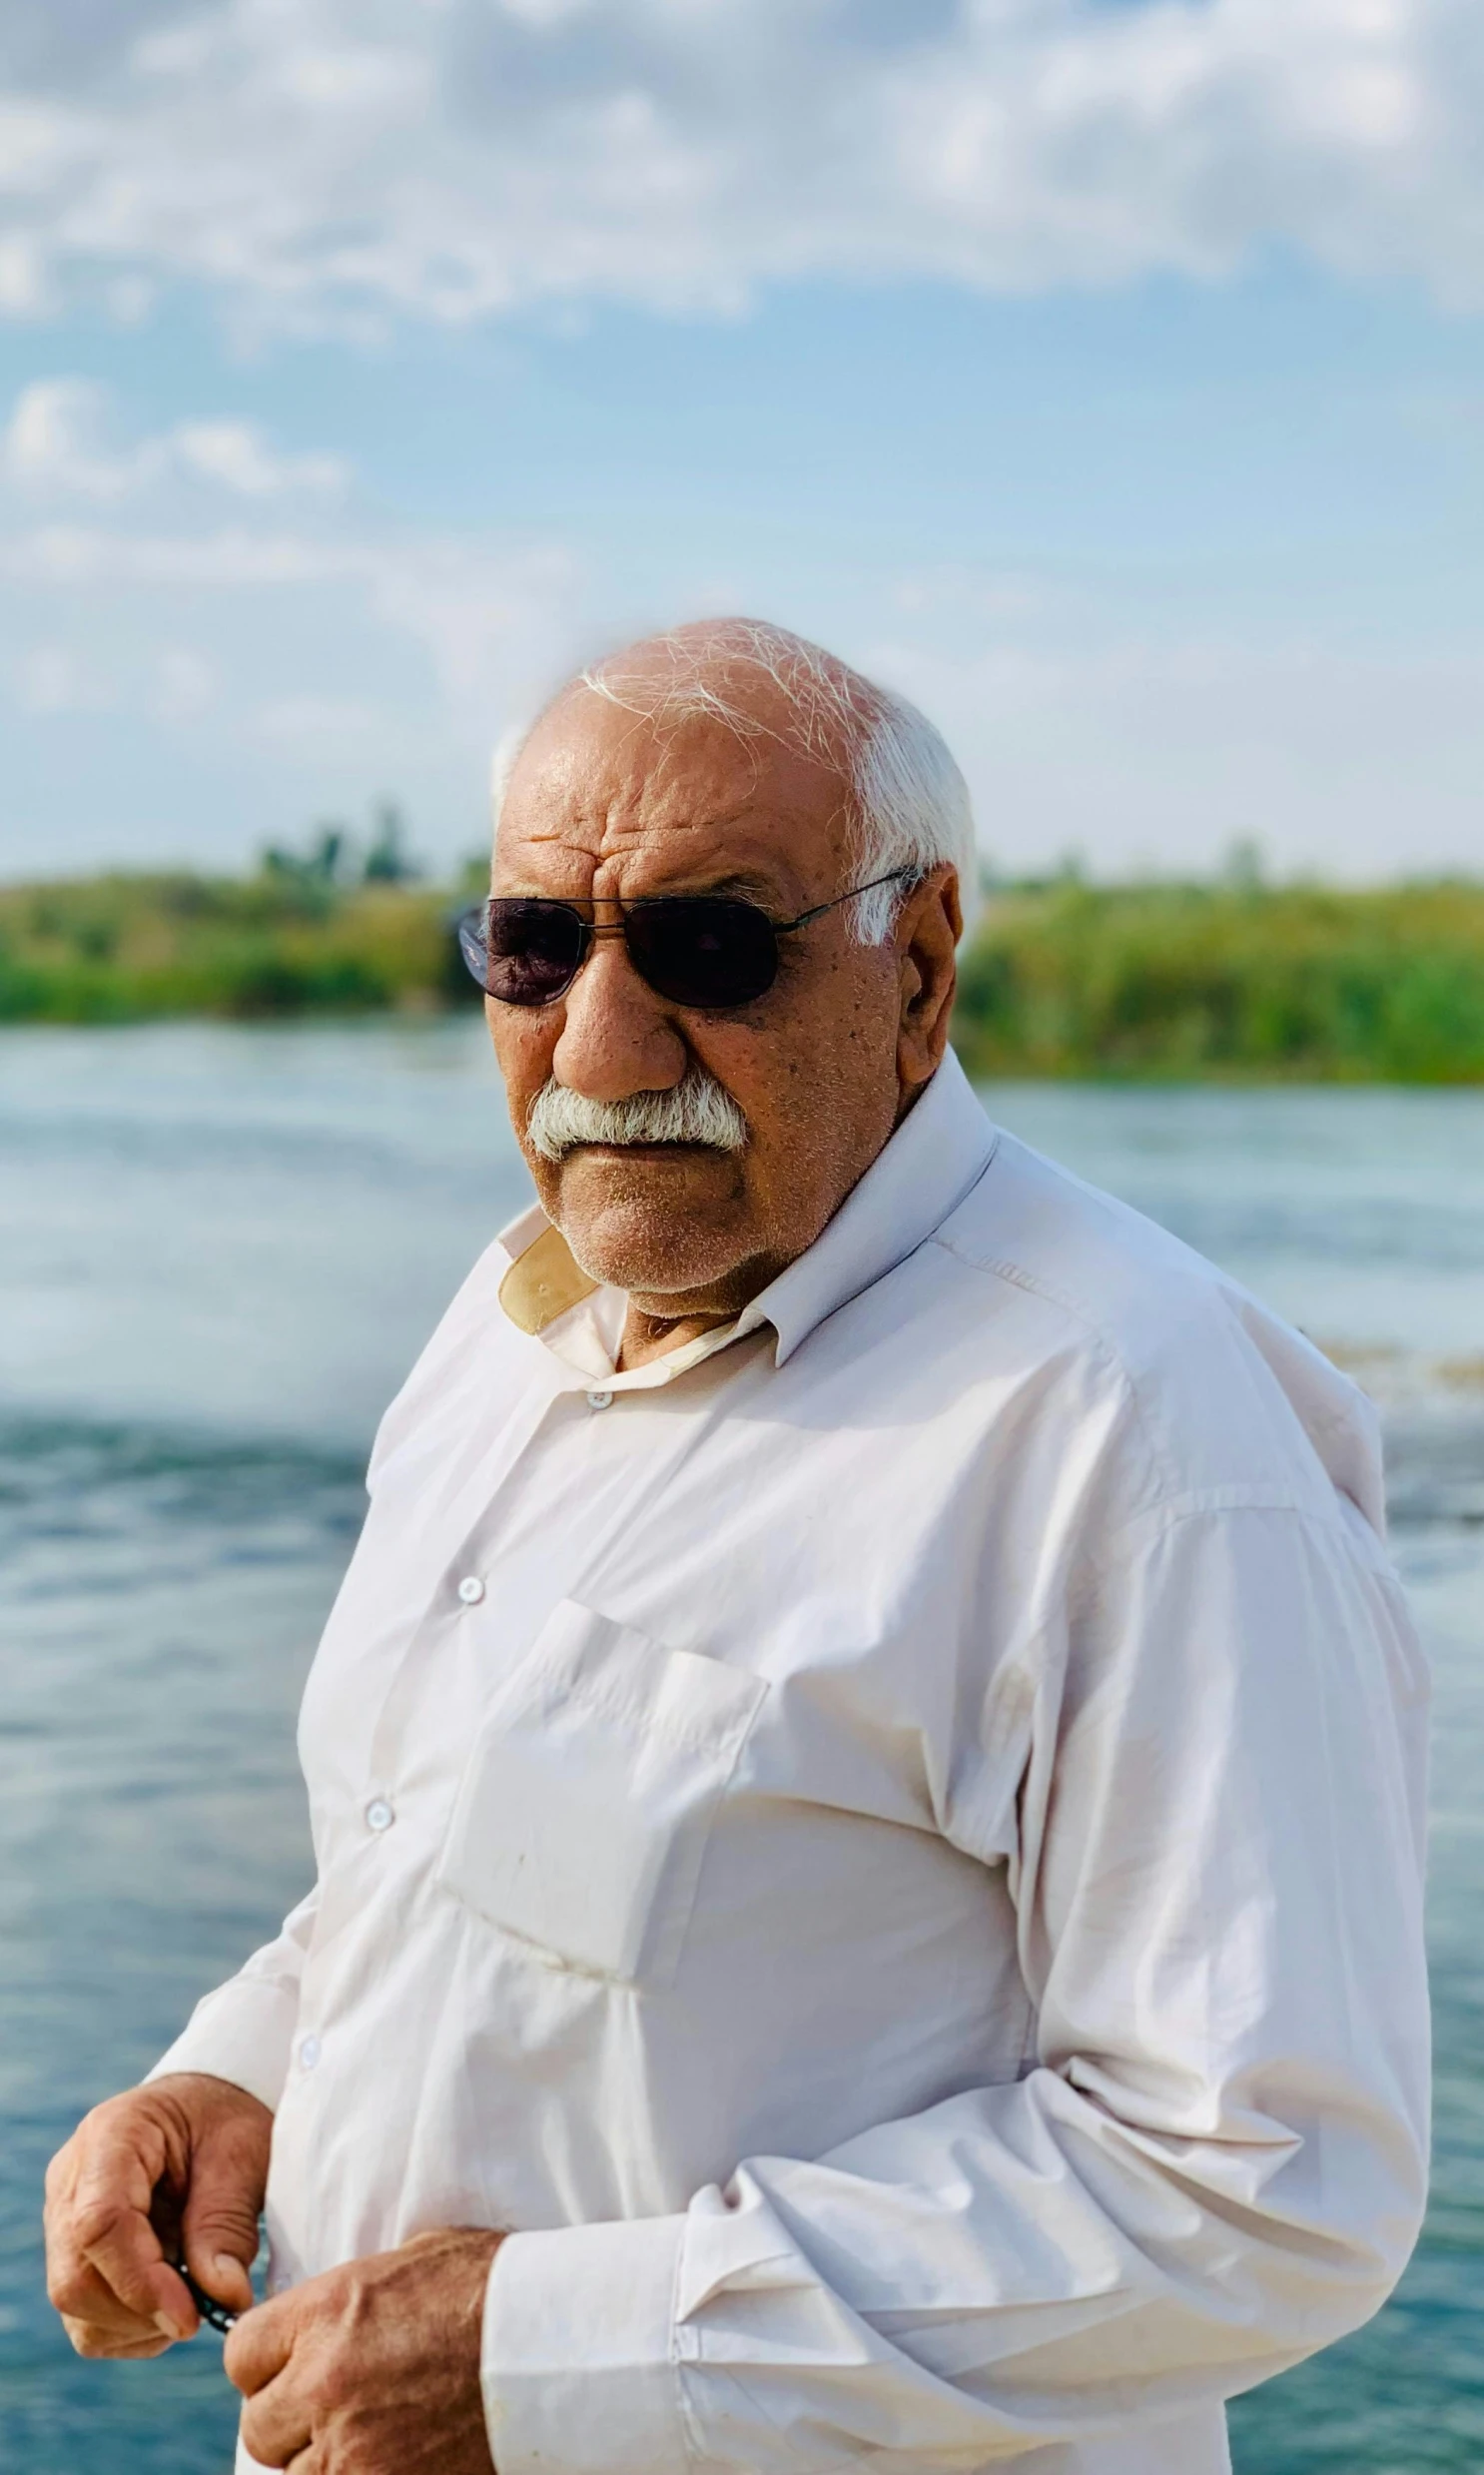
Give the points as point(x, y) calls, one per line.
point(893, 876)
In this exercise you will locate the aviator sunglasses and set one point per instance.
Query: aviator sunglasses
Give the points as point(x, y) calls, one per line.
point(702, 950)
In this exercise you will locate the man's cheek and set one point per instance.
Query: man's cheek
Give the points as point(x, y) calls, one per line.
point(524, 1044)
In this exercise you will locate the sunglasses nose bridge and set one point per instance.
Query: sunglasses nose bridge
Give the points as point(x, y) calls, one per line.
point(598, 934)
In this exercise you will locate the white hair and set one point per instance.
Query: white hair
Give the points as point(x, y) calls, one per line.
point(911, 808)
point(697, 1110)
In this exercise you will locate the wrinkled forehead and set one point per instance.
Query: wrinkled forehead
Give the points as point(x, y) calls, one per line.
point(604, 780)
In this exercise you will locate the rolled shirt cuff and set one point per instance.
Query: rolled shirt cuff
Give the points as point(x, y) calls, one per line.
point(580, 2353)
point(243, 2033)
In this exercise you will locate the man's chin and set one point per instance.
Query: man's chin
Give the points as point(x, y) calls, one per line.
point(651, 1217)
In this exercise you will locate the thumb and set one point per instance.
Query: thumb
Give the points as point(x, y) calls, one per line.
point(219, 2228)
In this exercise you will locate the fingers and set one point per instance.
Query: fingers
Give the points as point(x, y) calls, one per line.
point(258, 2349)
point(105, 2268)
point(277, 2425)
point(182, 2160)
point(86, 2339)
point(278, 2420)
point(276, 2437)
point(111, 2231)
point(90, 2303)
point(220, 2226)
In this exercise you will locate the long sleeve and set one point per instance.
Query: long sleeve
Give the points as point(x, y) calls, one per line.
point(1213, 2161)
point(244, 2031)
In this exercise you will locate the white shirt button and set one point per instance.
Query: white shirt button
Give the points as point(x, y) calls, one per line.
point(379, 1814)
point(308, 2053)
point(600, 1400)
point(471, 1589)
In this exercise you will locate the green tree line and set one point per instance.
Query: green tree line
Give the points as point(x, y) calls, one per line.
point(1296, 982)
point(1233, 979)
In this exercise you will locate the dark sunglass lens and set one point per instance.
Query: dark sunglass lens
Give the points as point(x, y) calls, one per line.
point(708, 952)
point(524, 952)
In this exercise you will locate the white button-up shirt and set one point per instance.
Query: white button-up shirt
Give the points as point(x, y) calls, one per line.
point(886, 1846)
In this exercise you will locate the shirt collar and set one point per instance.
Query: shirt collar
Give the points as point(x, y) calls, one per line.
point(545, 1294)
point(941, 1149)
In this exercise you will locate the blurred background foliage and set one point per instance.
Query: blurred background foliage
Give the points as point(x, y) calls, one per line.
point(1231, 978)
point(343, 925)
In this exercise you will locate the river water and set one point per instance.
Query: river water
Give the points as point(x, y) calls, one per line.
point(220, 1248)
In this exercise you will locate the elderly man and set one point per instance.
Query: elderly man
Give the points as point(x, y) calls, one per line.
point(867, 1769)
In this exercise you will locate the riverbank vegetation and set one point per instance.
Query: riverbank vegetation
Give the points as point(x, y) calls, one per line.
point(1233, 979)
point(341, 926)
point(119, 949)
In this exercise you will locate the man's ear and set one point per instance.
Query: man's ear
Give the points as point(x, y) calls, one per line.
point(927, 928)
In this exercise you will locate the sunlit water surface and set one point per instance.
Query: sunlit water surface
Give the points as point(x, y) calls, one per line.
point(220, 1248)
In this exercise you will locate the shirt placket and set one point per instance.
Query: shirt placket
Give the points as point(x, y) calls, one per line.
point(449, 1560)
point(470, 1568)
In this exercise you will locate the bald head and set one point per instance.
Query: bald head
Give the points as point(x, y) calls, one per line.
point(906, 802)
point(724, 759)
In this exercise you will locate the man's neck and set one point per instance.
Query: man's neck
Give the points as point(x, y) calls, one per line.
point(647, 1335)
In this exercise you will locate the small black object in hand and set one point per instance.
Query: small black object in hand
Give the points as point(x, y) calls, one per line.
point(216, 2315)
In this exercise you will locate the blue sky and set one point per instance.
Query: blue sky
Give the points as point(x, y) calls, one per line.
point(1110, 379)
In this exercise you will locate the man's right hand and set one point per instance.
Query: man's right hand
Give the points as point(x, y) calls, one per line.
point(179, 2162)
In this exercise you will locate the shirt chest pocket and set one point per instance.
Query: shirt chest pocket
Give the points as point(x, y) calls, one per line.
point(581, 1818)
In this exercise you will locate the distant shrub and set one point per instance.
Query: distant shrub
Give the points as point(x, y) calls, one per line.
point(120, 948)
point(1233, 979)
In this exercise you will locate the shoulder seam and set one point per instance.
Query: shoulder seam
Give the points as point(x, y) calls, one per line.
point(1162, 1519)
point(1004, 1268)
point(1165, 1480)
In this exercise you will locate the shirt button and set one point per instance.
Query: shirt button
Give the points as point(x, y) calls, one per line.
point(600, 1400)
point(471, 1589)
point(379, 1814)
point(308, 2053)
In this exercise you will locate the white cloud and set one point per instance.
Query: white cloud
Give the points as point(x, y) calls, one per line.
point(51, 680)
point(311, 669)
point(234, 455)
point(57, 443)
point(318, 161)
point(333, 662)
point(487, 617)
point(325, 723)
point(1146, 751)
point(54, 442)
point(22, 290)
point(185, 684)
point(302, 668)
point(84, 554)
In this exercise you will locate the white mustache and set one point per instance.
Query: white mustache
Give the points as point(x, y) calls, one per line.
point(697, 1110)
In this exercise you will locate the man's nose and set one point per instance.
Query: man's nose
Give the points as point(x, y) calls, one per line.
point(616, 1037)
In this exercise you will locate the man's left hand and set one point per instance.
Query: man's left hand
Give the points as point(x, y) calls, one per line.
point(373, 2368)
